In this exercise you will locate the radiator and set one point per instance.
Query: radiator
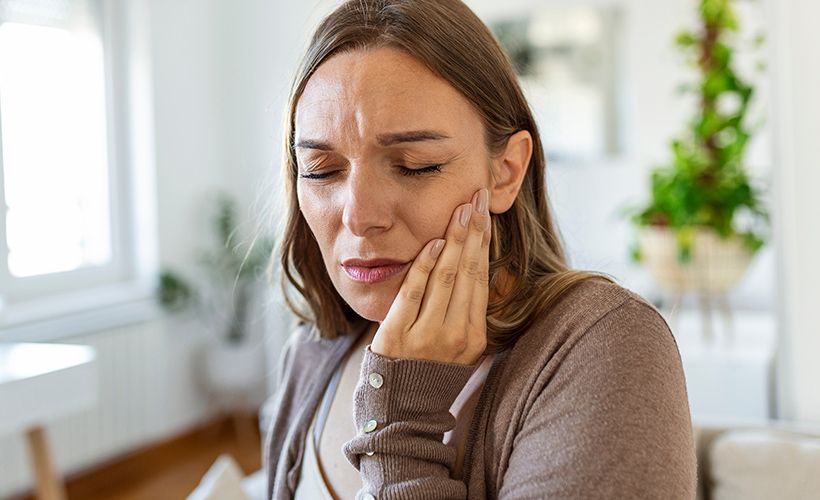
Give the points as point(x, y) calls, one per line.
point(148, 391)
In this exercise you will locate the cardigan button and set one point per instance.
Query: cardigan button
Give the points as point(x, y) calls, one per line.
point(370, 426)
point(376, 380)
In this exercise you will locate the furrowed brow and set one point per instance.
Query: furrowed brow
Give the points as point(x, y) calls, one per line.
point(384, 140)
point(311, 144)
point(387, 140)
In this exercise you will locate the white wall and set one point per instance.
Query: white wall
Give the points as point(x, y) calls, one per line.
point(796, 73)
point(190, 150)
point(259, 44)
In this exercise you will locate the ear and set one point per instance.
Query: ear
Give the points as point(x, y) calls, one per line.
point(509, 169)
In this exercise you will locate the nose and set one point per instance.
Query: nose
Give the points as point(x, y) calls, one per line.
point(366, 205)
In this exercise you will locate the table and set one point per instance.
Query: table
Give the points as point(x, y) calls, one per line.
point(41, 383)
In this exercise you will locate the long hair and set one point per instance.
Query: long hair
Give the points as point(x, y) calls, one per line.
point(528, 268)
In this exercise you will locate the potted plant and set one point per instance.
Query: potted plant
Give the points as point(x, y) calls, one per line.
point(233, 282)
point(705, 219)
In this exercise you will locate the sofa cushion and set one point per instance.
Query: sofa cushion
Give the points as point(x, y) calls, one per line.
point(256, 485)
point(223, 481)
point(764, 464)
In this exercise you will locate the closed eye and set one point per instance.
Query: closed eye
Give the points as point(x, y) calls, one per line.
point(408, 172)
point(316, 175)
point(419, 171)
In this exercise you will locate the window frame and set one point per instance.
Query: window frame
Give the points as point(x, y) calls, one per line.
point(57, 305)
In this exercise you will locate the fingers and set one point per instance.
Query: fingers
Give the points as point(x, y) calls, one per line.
point(406, 305)
point(468, 303)
point(481, 292)
point(443, 276)
point(440, 310)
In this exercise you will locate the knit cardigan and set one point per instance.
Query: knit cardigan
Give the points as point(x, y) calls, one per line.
point(590, 402)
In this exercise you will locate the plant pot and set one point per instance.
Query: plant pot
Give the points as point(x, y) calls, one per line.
point(235, 368)
point(715, 267)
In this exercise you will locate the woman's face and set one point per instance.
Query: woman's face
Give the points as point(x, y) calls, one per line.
point(386, 150)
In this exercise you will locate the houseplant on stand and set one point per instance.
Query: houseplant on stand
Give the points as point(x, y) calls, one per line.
point(233, 363)
point(705, 220)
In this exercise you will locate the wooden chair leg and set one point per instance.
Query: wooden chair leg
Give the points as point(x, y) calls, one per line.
point(49, 485)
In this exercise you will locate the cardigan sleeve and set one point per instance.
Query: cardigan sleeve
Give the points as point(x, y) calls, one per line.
point(613, 419)
point(401, 411)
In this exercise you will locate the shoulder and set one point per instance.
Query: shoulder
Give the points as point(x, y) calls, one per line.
point(585, 307)
point(591, 325)
point(592, 299)
point(598, 381)
point(306, 355)
point(304, 350)
point(302, 360)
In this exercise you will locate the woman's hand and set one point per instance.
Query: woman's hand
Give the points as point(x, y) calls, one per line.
point(440, 312)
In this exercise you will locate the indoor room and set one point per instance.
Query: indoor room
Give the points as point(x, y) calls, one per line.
point(214, 237)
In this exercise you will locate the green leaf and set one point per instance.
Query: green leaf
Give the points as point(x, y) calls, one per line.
point(685, 39)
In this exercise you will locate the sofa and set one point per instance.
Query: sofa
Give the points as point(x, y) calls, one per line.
point(751, 461)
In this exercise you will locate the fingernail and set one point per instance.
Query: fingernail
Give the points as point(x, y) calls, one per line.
point(483, 196)
point(436, 249)
point(464, 216)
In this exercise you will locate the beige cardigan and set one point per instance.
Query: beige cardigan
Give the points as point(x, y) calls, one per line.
point(589, 403)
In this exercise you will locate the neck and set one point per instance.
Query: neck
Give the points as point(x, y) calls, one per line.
point(367, 336)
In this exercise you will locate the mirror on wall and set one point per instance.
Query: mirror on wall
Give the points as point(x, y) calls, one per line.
point(567, 60)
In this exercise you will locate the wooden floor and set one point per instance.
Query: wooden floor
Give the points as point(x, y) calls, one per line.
point(172, 469)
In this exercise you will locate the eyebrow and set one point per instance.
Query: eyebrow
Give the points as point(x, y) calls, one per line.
point(384, 140)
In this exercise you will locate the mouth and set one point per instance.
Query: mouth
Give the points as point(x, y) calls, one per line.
point(373, 271)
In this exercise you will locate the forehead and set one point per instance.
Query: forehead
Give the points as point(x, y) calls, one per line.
point(382, 90)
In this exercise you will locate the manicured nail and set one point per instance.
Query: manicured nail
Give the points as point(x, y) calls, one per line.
point(483, 196)
point(436, 249)
point(464, 216)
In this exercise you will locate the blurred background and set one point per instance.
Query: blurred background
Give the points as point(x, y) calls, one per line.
point(139, 175)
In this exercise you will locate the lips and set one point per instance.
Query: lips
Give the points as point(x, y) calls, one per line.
point(374, 270)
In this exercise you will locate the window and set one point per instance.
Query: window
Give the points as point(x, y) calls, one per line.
point(64, 204)
point(55, 170)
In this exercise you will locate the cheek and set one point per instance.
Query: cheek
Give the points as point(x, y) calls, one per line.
point(317, 211)
point(431, 219)
point(434, 222)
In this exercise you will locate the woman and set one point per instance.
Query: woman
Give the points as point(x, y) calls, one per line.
point(446, 350)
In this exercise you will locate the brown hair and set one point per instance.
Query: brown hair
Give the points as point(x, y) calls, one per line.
point(528, 267)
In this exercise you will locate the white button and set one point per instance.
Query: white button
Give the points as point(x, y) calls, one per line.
point(369, 453)
point(370, 426)
point(368, 496)
point(376, 380)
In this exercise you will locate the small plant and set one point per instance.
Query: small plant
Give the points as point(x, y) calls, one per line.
point(175, 293)
point(706, 184)
point(230, 269)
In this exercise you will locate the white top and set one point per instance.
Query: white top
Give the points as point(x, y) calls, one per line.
point(312, 485)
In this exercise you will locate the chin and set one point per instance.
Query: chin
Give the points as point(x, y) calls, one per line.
point(372, 306)
point(370, 301)
point(370, 310)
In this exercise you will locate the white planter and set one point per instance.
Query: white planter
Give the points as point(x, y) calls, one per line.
point(235, 369)
point(716, 266)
